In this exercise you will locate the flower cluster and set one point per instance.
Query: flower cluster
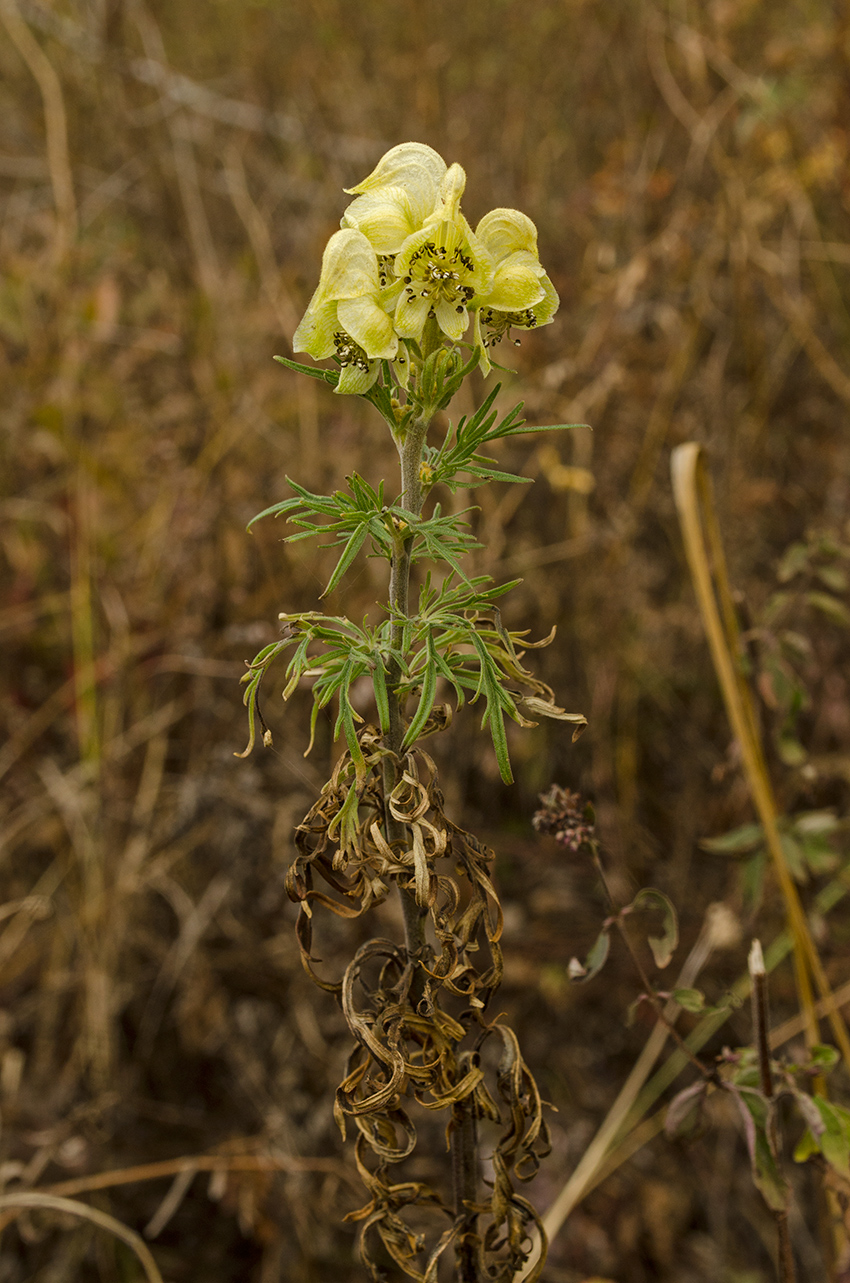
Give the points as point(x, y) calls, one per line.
point(406, 274)
point(566, 817)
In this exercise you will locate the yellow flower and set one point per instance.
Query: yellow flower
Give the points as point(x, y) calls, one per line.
point(521, 295)
point(442, 267)
point(347, 317)
point(397, 197)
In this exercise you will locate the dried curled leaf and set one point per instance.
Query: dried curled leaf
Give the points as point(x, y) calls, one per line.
point(408, 1046)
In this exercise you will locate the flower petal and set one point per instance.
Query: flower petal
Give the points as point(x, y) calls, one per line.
point(354, 380)
point(315, 334)
point(452, 319)
point(369, 326)
point(452, 188)
point(401, 366)
point(349, 267)
point(483, 267)
point(504, 231)
point(545, 310)
point(415, 167)
point(411, 313)
point(385, 217)
point(517, 283)
point(484, 363)
point(388, 296)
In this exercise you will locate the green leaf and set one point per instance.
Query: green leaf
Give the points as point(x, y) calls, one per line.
point(426, 700)
point(497, 701)
point(691, 1000)
point(253, 679)
point(755, 1113)
point(806, 1146)
point(355, 543)
point(346, 820)
point(752, 878)
point(275, 511)
point(595, 960)
point(445, 671)
point(460, 451)
point(494, 718)
point(326, 376)
point(794, 559)
point(382, 700)
point(794, 857)
point(815, 822)
point(824, 1056)
point(791, 751)
point(664, 946)
point(835, 1140)
point(833, 577)
point(830, 606)
point(548, 427)
point(346, 720)
point(738, 841)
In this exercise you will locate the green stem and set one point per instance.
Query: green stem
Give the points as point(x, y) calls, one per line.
point(464, 1136)
point(410, 454)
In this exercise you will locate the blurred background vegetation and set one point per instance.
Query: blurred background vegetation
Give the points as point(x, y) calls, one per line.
point(169, 176)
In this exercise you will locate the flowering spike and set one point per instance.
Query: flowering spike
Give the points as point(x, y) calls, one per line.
point(407, 266)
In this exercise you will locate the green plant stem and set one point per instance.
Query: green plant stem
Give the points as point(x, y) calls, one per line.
point(410, 454)
point(464, 1138)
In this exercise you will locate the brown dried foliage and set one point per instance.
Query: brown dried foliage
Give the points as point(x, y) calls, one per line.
point(407, 1042)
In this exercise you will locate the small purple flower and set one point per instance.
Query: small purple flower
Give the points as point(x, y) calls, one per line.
point(566, 817)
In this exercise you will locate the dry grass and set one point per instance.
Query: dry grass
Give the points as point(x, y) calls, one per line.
point(169, 176)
